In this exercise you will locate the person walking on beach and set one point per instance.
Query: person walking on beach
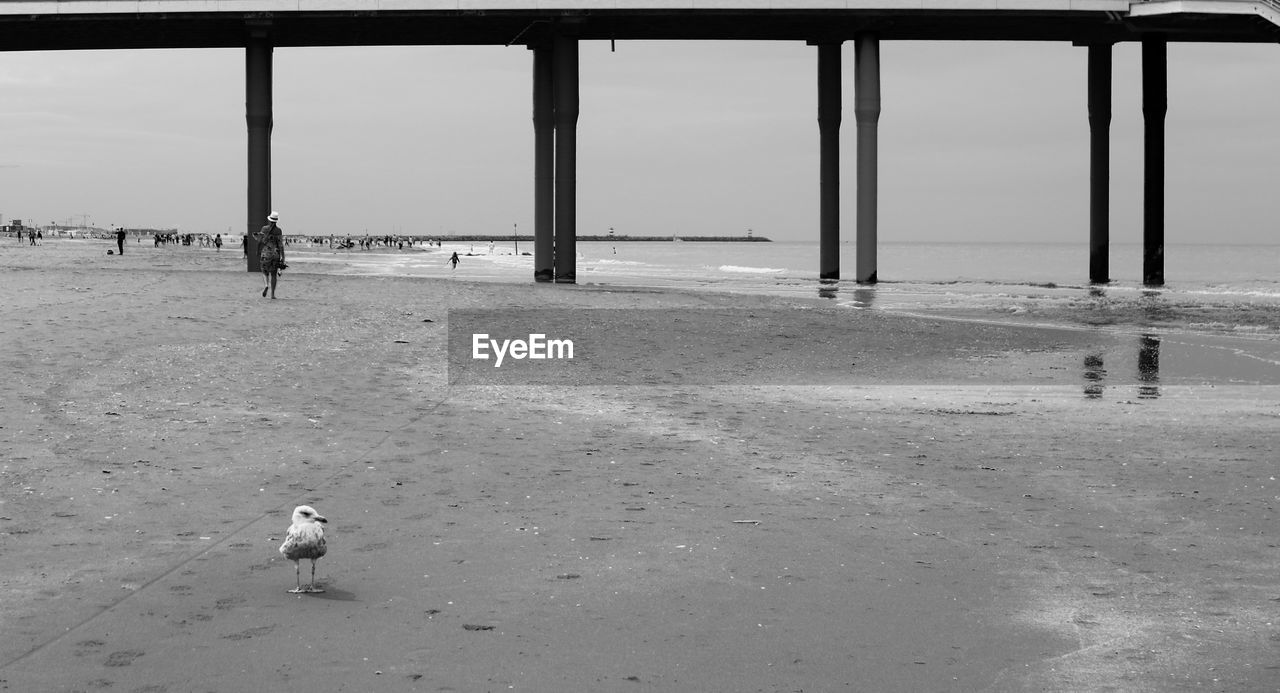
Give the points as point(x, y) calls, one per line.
point(120, 234)
point(217, 242)
point(454, 260)
point(271, 253)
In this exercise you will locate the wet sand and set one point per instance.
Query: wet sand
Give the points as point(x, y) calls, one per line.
point(965, 507)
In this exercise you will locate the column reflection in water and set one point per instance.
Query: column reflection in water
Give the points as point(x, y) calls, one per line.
point(1149, 366)
point(1095, 373)
point(863, 296)
point(828, 288)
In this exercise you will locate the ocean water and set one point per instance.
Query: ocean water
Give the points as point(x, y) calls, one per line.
point(910, 274)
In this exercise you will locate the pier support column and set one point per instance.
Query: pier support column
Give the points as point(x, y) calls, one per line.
point(544, 180)
point(1099, 162)
point(1155, 102)
point(866, 110)
point(830, 103)
point(566, 166)
point(258, 54)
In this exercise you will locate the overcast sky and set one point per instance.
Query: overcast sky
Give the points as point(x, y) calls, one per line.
point(978, 141)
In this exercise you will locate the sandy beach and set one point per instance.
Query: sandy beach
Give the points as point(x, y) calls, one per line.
point(773, 495)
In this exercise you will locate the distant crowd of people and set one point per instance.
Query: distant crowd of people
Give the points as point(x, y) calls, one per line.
point(202, 240)
point(216, 241)
point(159, 238)
point(33, 236)
point(368, 242)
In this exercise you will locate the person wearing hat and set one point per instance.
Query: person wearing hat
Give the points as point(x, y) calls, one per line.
point(271, 253)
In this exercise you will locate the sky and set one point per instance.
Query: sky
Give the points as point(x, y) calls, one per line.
point(978, 141)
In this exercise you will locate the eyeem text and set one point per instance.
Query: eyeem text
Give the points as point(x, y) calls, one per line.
point(536, 347)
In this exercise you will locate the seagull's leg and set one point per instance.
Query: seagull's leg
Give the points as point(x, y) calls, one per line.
point(312, 587)
point(297, 575)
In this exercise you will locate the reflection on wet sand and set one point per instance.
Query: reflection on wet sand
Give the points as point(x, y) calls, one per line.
point(828, 288)
point(863, 296)
point(1149, 366)
point(1095, 371)
point(1094, 375)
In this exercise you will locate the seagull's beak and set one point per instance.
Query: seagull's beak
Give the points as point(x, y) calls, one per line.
point(320, 518)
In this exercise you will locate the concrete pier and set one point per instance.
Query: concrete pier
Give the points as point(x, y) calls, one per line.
point(566, 166)
point(866, 109)
point(554, 28)
point(1099, 88)
point(1155, 103)
point(544, 179)
point(830, 97)
point(258, 59)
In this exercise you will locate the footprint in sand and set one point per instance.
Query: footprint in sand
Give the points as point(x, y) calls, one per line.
point(122, 658)
point(250, 633)
point(88, 647)
point(227, 603)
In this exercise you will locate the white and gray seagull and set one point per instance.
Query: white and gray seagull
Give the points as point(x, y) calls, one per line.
point(305, 539)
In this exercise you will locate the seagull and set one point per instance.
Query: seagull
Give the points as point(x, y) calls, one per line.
point(305, 539)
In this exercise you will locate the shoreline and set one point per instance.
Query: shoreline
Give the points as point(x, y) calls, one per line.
point(1003, 298)
point(1196, 328)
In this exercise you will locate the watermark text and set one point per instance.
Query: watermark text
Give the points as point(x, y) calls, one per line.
point(536, 347)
